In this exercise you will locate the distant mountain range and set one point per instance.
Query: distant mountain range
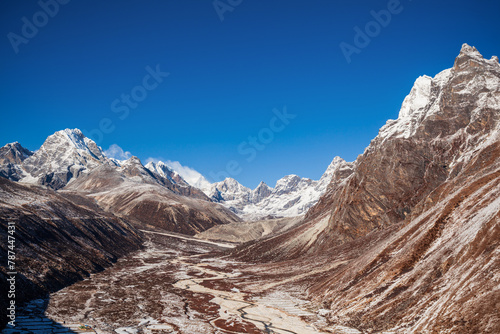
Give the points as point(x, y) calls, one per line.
point(291, 196)
point(67, 160)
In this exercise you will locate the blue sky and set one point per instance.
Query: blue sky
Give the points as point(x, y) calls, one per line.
point(225, 77)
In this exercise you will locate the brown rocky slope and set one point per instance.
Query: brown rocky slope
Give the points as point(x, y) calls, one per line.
point(133, 192)
point(58, 240)
point(416, 227)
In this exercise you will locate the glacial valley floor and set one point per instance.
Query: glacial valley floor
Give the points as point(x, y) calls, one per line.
point(177, 285)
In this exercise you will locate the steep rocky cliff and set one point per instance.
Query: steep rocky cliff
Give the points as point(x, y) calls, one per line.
point(410, 241)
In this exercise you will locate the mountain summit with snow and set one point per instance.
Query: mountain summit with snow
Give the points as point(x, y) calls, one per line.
point(64, 156)
point(291, 196)
point(409, 242)
point(67, 156)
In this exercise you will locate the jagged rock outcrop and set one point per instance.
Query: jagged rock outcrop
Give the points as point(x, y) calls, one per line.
point(11, 156)
point(14, 153)
point(163, 170)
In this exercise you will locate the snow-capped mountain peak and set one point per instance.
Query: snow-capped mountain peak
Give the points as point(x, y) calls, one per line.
point(132, 161)
point(74, 143)
point(165, 171)
point(11, 156)
point(262, 191)
point(63, 156)
point(188, 175)
point(160, 168)
point(68, 154)
point(230, 189)
point(291, 196)
point(422, 102)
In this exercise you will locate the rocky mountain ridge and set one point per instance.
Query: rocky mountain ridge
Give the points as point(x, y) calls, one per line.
point(11, 156)
point(409, 241)
point(70, 162)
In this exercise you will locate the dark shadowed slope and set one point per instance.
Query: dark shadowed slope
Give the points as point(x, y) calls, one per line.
point(59, 240)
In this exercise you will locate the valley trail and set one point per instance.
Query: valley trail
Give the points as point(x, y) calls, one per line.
point(180, 286)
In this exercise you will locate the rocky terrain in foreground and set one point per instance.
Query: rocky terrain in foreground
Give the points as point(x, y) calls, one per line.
point(58, 239)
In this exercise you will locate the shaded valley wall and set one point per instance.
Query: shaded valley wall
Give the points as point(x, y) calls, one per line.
point(58, 241)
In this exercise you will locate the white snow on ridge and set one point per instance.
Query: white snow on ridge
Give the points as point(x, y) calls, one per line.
point(424, 97)
point(66, 153)
point(190, 175)
point(416, 107)
point(291, 196)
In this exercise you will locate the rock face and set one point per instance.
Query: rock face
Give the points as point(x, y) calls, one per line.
point(441, 124)
point(262, 191)
point(291, 196)
point(415, 227)
point(59, 239)
point(14, 153)
point(63, 157)
point(11, 156)
point(163, 170)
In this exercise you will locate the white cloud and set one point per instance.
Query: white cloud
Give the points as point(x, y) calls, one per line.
point(116, 152)
point(190, 175)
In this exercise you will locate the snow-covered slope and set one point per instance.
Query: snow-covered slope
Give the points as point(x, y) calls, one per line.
point(64, 156)
point(291, 196)
point(163, 170)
